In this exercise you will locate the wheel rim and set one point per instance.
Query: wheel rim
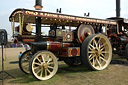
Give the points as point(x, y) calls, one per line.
point(99, 52)
point(44, 65)
point(25, 61)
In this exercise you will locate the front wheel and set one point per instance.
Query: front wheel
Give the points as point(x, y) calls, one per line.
point(43, 65)
point(96, 52)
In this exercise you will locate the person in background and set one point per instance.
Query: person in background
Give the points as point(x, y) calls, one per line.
point(27, 47)
point(20, 55)
point(21, 45)
point(15, 42)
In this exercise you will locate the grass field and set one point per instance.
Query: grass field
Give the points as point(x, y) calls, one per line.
point(113, 75)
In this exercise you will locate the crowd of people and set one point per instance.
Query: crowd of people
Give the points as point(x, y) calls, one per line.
point(15, 45)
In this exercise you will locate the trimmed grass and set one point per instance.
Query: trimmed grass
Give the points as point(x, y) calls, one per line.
point(80, 75)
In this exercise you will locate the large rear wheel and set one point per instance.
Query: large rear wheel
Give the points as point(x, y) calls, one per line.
point(96, 52)
point(43, 65)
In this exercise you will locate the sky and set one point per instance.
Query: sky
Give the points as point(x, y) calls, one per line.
point(101, 9)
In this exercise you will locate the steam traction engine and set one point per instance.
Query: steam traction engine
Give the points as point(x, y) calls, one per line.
point(73, 39)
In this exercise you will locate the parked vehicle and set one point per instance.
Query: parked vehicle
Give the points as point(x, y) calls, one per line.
point(75, 40)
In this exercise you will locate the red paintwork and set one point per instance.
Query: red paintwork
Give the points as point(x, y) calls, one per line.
point(83, 31)
point(69, 52)
point(28, 40)
point(55, 46)
point(74, 52)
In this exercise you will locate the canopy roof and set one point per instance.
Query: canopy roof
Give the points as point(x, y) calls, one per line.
point(51, 18)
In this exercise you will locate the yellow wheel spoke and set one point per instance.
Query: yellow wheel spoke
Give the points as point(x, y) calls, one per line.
point(102, 55)
point(38, 71)
point(99, 40)
point(50, 63)
point(99, 46)
point(99, 59)
point(92, 57)
point(45, 72)
point(98, 62)
point(94, 62)
point(49, 60)
point(103, 45)
point(37, 63)
point(102, 49)
point(103, 59)
point(26, 68)
point(92, 46)
point(25, 59)
point(26, 65)
point(47, 55)
point(91, 51)
point(95, 42)
point(36, 67)
point(48, 70)
point(50, 67)
point(43, 59)
point(41, 73)
point(38, 59)
point(104, 52)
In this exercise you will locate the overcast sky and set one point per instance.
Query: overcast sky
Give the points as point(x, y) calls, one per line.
point(98, 8)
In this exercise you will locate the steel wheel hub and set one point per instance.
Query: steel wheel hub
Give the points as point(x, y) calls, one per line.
point(45, 66)
point(98, 52)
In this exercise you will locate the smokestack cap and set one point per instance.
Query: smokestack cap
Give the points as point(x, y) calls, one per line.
point(38, 5)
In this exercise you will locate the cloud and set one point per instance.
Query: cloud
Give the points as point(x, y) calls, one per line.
point(97, 8)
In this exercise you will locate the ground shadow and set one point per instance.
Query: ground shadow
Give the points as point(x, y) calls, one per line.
point(14, 62)
point(120, 62)
point(20, 77)
point(63, 68)
point(23, 78)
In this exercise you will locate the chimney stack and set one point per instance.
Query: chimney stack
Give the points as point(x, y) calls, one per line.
point(118, 8)
point(38, 5)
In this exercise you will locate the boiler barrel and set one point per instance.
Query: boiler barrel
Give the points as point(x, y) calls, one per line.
point(50, 45)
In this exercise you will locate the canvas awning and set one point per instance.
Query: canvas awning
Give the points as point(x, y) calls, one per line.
point(50, 18)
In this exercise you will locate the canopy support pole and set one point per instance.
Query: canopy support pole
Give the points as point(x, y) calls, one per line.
point(12, 25)
point(38, 26)
point(117, 28)
point(21, 20)
point(106, 28)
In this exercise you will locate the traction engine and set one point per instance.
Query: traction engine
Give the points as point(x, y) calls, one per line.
point(73, 39)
